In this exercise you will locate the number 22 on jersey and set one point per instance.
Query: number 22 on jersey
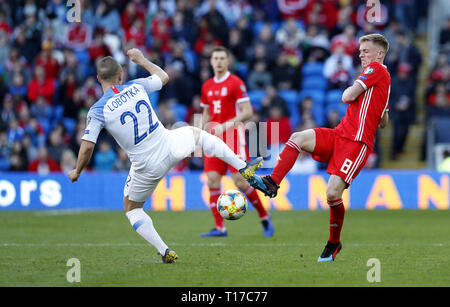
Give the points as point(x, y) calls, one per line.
point(138, 138)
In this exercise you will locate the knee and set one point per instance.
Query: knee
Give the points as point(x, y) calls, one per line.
point(333, 193)
point(213, 182)
point(298, 138)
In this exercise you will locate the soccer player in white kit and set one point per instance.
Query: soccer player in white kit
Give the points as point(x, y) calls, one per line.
point(125, 112)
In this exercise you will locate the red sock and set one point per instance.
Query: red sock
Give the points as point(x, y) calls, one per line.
point(337, 212)
point(285, 161)
point(253, 197)
point(213, 197)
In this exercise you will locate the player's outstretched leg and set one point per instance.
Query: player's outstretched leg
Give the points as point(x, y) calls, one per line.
point(143, 225)
point(264, 184)
point(304, 140)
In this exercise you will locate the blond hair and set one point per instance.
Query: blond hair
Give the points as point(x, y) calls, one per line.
point(377, 39)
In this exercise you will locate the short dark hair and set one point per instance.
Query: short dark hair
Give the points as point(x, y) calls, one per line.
point(108, 68)
point(220, 49)
point(377, 39)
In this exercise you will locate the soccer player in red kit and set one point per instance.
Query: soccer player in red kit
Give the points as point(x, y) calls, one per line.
point(225, 107)
point(345, 148)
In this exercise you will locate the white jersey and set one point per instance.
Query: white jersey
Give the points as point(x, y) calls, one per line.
point(125, 111)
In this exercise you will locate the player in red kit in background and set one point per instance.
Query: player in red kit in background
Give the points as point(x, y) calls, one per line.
point(225, 107)
point(345, 148)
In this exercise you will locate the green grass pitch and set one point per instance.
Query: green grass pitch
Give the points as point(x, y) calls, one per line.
point(413, 249)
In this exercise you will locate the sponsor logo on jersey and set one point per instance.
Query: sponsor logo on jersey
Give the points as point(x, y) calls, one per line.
point(368, 70)
point(363, 77)
point(243, 88)
point(210, 93)
point(224, 91)
point(86, 131)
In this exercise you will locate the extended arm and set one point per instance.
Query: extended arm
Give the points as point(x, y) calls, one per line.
point(137, 57)
point(85, 154)
point(351, 93)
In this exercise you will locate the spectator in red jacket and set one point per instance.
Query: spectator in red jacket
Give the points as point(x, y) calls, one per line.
point(47, 61)
point(44, 164)
point(41, 86)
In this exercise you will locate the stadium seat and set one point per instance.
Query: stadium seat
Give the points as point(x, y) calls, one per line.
point(45, 124)
point(333, 96)
point(314, 82)
point(338, 106)
point(191, 59)
point(70, 124)
point(258, 25)
point(317, 95)
point(313, 69)
point(294, 117)
point(256, 97)
point(441, 129)
point(290, 96)
point(57, 113)
point(318, 112)
point(180, 111)
point(242, 69)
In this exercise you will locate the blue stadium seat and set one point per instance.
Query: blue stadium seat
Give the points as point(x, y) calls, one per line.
point(180, 111)
point(338, 106)
point(314, 82)
point(45, 124)
point(290, 96)
point(256, 97)
point(191, 59)
point(258, 25)
point(334, 96)
point(317, 95)
point(57, 113)
point(441, 129)
point(318, 113)
point(242, 69)
point(294, 117)
point(313, 69)
point(70, 124)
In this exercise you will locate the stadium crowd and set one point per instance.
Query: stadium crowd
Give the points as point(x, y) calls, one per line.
point(296, 57)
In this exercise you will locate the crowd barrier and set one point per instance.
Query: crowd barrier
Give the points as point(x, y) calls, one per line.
point(372, 189)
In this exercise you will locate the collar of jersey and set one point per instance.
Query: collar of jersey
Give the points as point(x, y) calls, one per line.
point(227, 74)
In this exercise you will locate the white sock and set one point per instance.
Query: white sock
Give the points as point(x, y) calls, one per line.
point(143, 225)
point(215, 147)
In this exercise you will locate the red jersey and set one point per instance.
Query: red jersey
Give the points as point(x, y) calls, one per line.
point(363, 115)
point(223, 98)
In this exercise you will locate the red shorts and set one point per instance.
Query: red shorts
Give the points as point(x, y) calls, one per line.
point(345, 157)
point(238, 145)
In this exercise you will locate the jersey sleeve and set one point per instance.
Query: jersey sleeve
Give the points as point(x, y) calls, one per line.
point(241, 92)
point(95, 122)
point(371, 75)
point(150, 84)
point(203, 98)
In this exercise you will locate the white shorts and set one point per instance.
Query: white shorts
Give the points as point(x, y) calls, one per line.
point(177, 145)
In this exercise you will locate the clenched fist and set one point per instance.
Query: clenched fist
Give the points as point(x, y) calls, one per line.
point(135, 55)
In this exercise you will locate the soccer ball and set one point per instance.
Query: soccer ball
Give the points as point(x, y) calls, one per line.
point(232, 205)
